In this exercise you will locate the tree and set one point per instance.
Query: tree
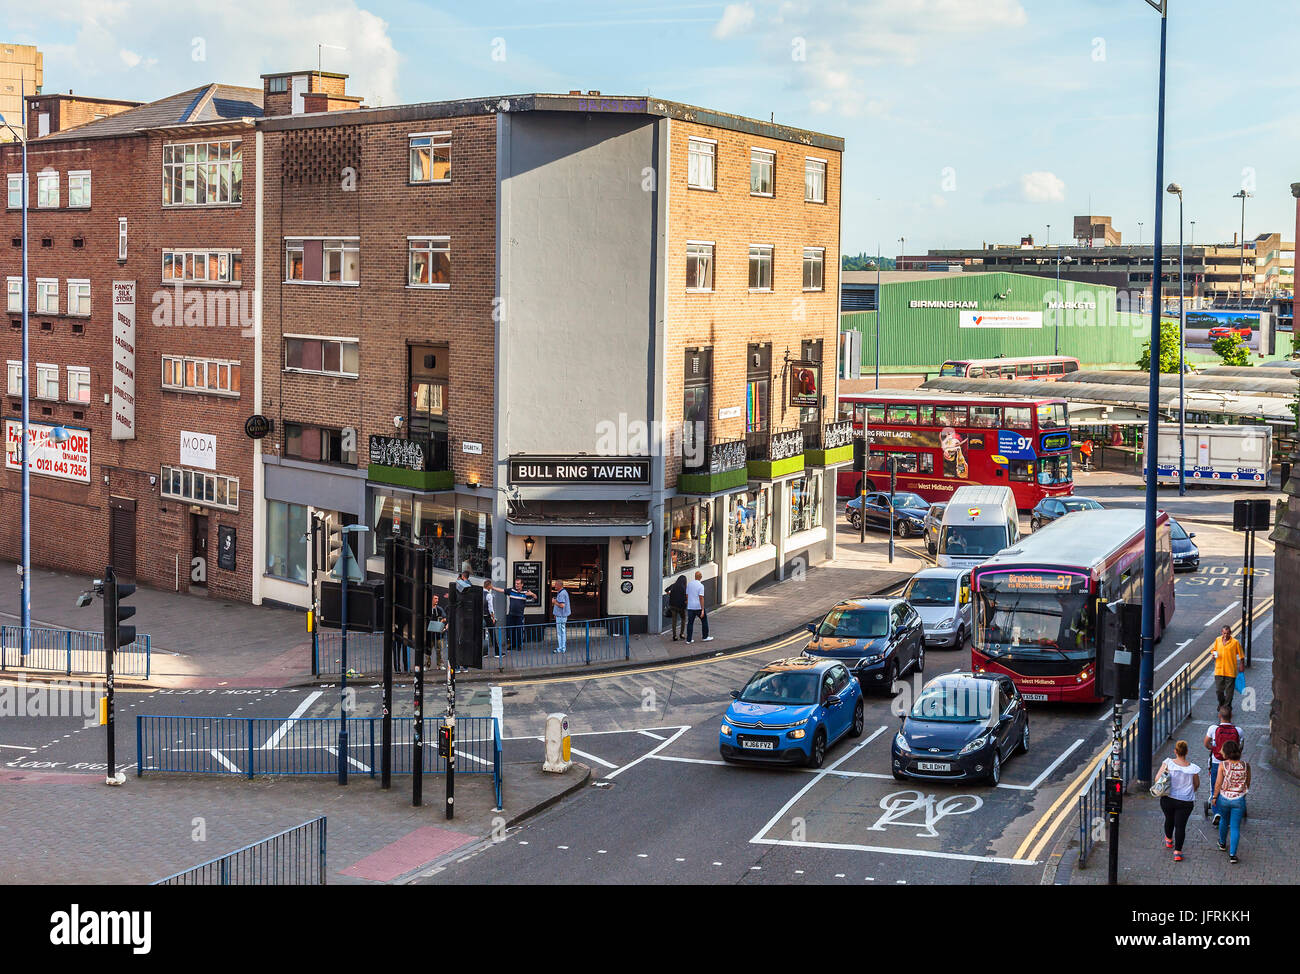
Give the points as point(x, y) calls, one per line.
point(1168, 349)
point(1232, 350)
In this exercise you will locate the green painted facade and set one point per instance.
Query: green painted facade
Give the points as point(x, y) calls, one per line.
point(412, 479)
point(920, 339)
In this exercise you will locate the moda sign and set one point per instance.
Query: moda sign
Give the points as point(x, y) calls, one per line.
point(618, 471)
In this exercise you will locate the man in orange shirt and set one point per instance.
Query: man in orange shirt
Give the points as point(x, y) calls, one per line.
point(1229, 660)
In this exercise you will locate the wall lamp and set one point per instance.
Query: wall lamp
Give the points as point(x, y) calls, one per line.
point(528, 546)
point(627, 549)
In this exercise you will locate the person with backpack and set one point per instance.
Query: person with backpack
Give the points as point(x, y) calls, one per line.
point(676, 593)
point(1218, 735)
point(1230, 790)
point(1177, 804)
point(1229, 660)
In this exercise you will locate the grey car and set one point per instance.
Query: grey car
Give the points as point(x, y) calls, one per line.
point(932, 524)
point(942, 598)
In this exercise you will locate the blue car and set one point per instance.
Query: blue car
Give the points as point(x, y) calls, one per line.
point(1187, 557)
point(909, 512)
point(790, 712)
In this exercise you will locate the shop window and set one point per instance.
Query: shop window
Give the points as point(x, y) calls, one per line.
point(688, 535)
point(475, 545)
point(749, 520)
point(805, 504)
point(435, 525)
point(286, 544)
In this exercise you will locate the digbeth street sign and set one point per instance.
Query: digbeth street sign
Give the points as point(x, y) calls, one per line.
point(579, 470)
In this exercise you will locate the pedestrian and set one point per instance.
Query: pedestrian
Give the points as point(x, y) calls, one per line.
point(490, 615)
point(1215, 738)
point(459, 586)
point(676, 593)
point(560, 608)
point(516, 601)
point(1086, 450)
point(1184, 779)
point(695, 608)
point(1230, 789)
point(437, 626)
point(1229, 660)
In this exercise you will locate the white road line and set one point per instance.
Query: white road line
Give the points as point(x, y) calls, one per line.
point(351, 760)
point(887, 851)
point(283, 729)
point(1055, 764)
point(1220, 615)
point(625, 730)
point(498, 708)
point(1172, 655)
point(591, 757)
point(657, 749)
point(657, 737)
point(24, 747)
point(670, 757)
point(224, 761)
point(808, 787)
point(468, 757)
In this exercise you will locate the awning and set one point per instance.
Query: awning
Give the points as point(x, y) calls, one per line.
point(578, 527)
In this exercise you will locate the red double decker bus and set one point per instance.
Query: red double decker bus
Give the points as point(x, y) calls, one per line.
point(941, 441)
point(1037, 606)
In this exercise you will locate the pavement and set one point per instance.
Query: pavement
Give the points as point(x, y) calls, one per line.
point(264, 646)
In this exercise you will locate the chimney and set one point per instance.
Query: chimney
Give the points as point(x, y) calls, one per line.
point(305, 92)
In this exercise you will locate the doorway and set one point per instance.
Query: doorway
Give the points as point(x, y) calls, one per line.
point(199, 549)
point(583, 569)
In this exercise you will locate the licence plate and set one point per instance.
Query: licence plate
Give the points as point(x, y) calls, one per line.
point(933, 766)
point(1034, 697)
point(758, 745)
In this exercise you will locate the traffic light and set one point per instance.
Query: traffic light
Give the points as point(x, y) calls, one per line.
point(333, 546)
point(117, 635)
point(1114, 795)
point(1119, 650)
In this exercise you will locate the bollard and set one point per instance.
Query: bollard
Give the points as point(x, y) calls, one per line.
point(557, 744)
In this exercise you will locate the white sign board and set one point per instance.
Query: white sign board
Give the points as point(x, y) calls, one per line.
point(69, 460)
point(729, 412)
point(1001, 319)
point(199, 450)
point(469, 446)
point(124, 360)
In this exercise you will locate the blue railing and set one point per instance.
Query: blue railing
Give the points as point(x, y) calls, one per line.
point(71, 652)
point(521, 647)
point(1170, 707)
point(251, 746)
point(294, 857)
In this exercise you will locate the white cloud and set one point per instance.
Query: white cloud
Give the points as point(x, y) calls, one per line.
point(1042, 187)
point(129, 58)
point(736, 18)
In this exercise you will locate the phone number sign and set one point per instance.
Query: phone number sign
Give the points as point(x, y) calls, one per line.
point(69, 460)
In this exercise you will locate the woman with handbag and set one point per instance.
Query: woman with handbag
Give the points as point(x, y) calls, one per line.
point(1230, 789)
point(1176, 784)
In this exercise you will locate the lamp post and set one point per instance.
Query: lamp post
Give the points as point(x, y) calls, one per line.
point(25, 610)
point(1177, 190)
point(1242, 195)
point(879, 260)
point(1056, 345)
point(344, 570)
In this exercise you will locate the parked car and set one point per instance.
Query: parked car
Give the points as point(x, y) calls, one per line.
point(963, 726)
point(790, 712)
point(909, 512)
point(1227, 331)
point(1050, 508)
point(942, 598)
point(1187, 557)
point(878, 639)
point(930, 526)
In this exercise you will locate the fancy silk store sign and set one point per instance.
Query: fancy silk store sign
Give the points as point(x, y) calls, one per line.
point(65, 460)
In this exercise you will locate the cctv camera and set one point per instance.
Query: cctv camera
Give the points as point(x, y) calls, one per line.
point(398, 421)
point(84, 599)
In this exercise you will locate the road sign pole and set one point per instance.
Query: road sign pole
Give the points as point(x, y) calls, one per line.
point(893, 484)
point(1114, 801)
point(386, 717)
point(110, 647)
point(1249, 585)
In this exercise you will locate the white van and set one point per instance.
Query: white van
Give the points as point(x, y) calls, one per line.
point(1216, 456)
point(977, 523)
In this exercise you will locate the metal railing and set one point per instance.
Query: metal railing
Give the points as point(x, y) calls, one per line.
point(250, 746)
point(294, 857)
point(1169, 708)
point(70, 652)
point(523, 647)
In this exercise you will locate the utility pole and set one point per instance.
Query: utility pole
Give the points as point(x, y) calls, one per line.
point(1114, 802)
point(115, 635)
point(879, 305)
point(1242, 195)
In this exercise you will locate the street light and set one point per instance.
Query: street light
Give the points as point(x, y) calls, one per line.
point(878, 261)
point(343, 570)
point(1060, 298)
point(1177, 190)
point(1242, 195)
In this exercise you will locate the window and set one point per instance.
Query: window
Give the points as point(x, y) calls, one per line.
point(187, 374)
point(286, 545)
point(814, 259)
point(435, 527)
point(701, 155)
point(78, 385)
point(475, 542)
point(198, 487)
point(907, 462)
point(431, 158)
point(323, 260)
point(14, 293)
point(328, 356)
point(901, 416)
point(1017, 418)
point(758, 376)
point(121, 238)
point(47, 189)
point(695, 408)
point(430, 262)
point(760, 267)
point(203, 173)
point(319, 444)
point(47, 296)
point(277, 86)
point(14, 197)
point(699, 267)
point(749, 520)
point(814, 180)
point(79, 298)
point(805, 504)
point(984, 417)
point(47, 382)
point(950, 416)
point(762, 165)
point(203, 266)
point(1022, 470)
point(79, 188)
point(15, 379)
point(688, 534)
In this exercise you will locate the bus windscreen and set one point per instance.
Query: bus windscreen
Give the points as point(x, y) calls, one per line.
point(1035, 616)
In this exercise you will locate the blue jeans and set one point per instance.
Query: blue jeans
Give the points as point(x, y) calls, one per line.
point(561, 625)
point(1232, 810)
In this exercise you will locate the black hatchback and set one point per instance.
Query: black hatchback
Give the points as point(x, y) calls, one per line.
point(878, 639)
point(1050, 508)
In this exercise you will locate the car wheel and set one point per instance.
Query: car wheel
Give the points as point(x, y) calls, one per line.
point(1024, 739)
point(1034, 524)
point(725, 759)
point(859, 720)
point(1161, 634)
point(961, 639)
point(818, 753)
point(920, 659)
point(891, 678)
point(904, 529)
point(995, 772)
point(931, 547)
point(899, 776)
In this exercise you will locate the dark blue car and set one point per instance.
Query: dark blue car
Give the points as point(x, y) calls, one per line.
point(790, 712)
point(909, 512)
point(1187, 557)
point(879, 640)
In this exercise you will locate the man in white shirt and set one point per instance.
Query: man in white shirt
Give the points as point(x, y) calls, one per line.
point(695, 608)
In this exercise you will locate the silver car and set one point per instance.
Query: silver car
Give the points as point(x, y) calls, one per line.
point(931, 525)
point(942, 598)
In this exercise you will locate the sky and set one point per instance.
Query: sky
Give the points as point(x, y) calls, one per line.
point(965, 121)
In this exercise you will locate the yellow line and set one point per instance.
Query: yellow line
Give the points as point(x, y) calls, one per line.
point(1073, 790)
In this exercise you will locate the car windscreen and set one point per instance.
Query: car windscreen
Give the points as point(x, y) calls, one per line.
point(782, 687)
point(1177, 531)
point(1079, 504)
point(910, 501)
point(931, 591)
point(855, 623)
point(953, 369)
point(957, 701)
point(966, 540)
